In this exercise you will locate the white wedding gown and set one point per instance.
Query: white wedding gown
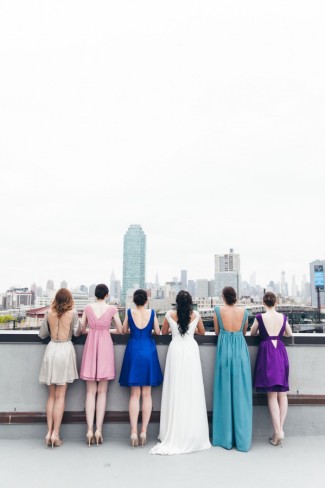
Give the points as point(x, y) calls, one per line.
point(183, 418)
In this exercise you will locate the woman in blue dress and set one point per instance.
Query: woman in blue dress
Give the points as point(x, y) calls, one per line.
point(232, 395)
point(140, 369)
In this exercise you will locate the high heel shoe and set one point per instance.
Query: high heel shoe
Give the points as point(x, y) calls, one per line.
point(276, 440)
point(143, 438)
point(98, 437)
point(55, 440)
point(134, 440)
point(47, 439)
point(90, 437)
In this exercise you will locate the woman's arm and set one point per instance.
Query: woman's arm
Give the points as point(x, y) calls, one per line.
point(76, 324)
point(245, 327)
point(125, 327)
point(288, 330)
point(44, 331)
point(84, 323)
point(215, 323)
point(118, 323)
point(200, 328)
point(254, 328)
point(165, 327)
point(156, 327)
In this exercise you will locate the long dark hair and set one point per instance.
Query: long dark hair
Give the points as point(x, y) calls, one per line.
point(184, 308)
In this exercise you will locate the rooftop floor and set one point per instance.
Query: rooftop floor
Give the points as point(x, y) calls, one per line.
point(27, 464)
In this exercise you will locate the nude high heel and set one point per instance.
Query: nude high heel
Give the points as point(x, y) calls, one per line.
point(90, 437)
point(143, 438)
point(55, 440)
point(47, 439)
point(134, 440)
point(98, 437)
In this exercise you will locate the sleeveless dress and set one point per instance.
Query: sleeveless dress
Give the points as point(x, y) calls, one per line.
point(232, 395)
point(272, 364)
point(183, 418)
point(140, 365)
point(59, 365)
point(98, 354)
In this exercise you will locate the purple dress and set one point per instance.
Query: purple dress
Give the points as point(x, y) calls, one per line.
point(272, 364)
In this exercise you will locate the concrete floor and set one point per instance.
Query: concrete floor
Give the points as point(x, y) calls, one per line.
point(27, 464)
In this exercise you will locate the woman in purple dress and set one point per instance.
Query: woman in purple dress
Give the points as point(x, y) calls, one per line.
point(272, 365)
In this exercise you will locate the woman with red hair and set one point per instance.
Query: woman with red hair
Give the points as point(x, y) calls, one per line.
point(58, 366)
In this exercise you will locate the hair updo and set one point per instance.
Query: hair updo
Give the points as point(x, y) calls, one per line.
point(184, 307)
point(229, 294)
point(140, 297)
point(101, 291)
point(269, 299)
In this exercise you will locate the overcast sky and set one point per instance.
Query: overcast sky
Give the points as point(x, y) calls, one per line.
point(202, 121)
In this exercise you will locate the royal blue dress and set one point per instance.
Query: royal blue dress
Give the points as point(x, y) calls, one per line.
point(140, 365)
point(232, 394)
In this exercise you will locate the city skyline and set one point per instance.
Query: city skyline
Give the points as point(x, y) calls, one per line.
point(203, 125)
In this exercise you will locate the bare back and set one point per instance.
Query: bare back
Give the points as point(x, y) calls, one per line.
point(141, 316)
point(60, 328)
point(273, 322)
point(232, 317)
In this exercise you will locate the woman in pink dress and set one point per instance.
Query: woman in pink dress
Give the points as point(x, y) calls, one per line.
point(97, 366)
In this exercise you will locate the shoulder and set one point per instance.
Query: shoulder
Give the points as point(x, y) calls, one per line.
point(112, 308)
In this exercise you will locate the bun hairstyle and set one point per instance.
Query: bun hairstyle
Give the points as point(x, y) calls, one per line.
point(184, 308)
point(269, 299)
point(229, 294)
point(140, 297)
point(101, 291)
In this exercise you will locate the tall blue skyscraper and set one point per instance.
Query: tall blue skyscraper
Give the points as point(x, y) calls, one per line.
point(134, 259)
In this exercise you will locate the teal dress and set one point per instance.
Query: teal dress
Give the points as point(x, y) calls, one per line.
point(232, 395)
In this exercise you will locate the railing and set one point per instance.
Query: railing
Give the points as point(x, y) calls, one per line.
point(22, 399)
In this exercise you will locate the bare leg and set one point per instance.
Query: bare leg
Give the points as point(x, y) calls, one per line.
point(134, 408)
point(90, 404)
point(146, 407)
point(283, 405)
point(49, 410)
point(58, 409)
point(272, 398)
point(101, 404)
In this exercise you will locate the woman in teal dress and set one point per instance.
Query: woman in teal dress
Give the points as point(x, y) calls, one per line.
point(232, 395)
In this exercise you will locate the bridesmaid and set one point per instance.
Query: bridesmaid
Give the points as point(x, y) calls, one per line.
point(59, 361)
point(140, 369)
point(272, 364)
point(97, 366)
point(232, 397)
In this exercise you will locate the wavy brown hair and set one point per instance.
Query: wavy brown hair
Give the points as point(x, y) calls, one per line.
point(62, 302)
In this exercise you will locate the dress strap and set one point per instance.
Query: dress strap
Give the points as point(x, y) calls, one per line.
point(218, 314)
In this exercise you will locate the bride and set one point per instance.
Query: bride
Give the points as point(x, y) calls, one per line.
point(183, 420)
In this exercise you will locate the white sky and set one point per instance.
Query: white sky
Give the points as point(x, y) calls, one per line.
point(202, 121)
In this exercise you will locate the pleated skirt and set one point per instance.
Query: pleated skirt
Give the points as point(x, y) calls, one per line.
point(59, 364)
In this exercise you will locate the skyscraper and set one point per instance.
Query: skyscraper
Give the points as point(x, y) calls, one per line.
point(184, 279)
point(134, 257)
point(317, 277)
point(227, 271)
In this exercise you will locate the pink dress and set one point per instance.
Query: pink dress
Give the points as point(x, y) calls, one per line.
point(98, 355)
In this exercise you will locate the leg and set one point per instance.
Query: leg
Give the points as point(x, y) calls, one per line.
point(90, 404)
point(283, 405)
point(134, 407)
point(49, 413)
point(58, 409)
point(272, 398)
point(146, 407)
point(49, 408)
point(101, 404)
